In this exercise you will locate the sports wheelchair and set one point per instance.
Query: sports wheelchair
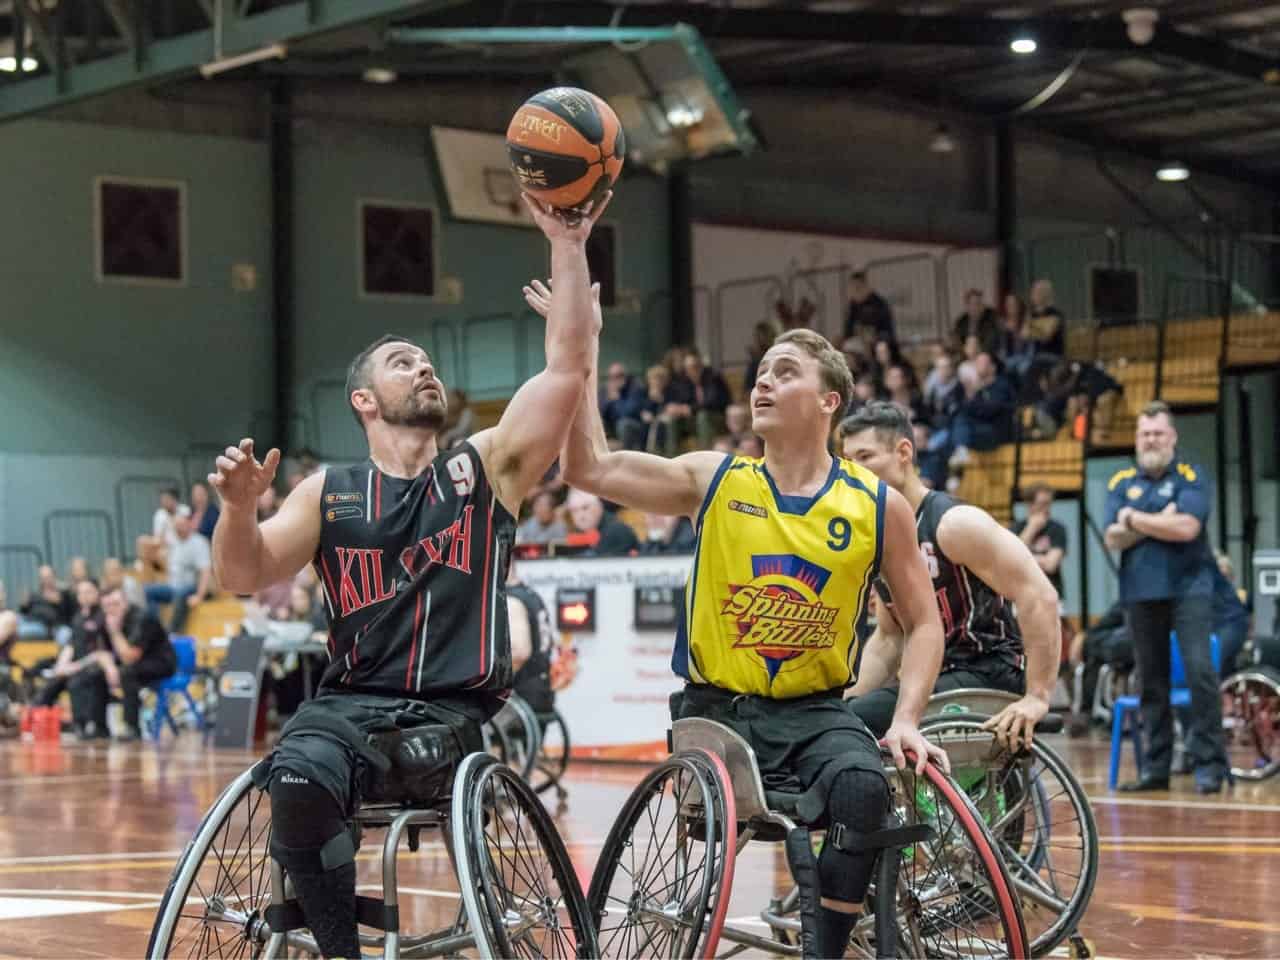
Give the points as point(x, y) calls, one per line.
point(1251, 721)
point(662, 885)
point(1034, 807)
point(535, 745)
point(518, 892)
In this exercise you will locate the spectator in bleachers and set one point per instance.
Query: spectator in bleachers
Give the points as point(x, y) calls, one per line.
point(711, 398)
point(115, 577)
point(204, 512)
point(762, 337)
point(142, 651)
point(77, 570)
point(1045, 329)
point(80, 667)
point(884, 354)
point(931, 460)
point(673, 360)
point(667, 535)
point(724, 444)
point(897, 389)
point(162, 520)
point(869, 315)
point(750, 446)
point(657, 379)
point(864, 391)
point(621, 397)
point(1013, 319)
point(543, 526)
point(985, 419)
point(1045, 536)
point(737, 420)
point(606, 536)
point(855, 355)
point(978, 320)
point(459, 420)
point(669, 402)
point(190, 574)
point(8, 635)
point(943, 393)
point(48, 609)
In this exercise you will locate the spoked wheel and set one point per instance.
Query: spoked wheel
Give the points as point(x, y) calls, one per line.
point(955, 898)
point(517, 722)
point(1040, 818)
point(520, 893)
point(553, 756)
point(496, 742)
point(661, 887)
point(1251, 718)
point(215, 902)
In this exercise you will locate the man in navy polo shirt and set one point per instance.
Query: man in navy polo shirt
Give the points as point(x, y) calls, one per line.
point(1156, 516)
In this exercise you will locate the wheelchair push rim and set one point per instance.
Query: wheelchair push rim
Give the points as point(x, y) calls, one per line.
point(1251, 721)
point(1040, 818)
point(520, 892)
point(681, 821)
point(215, 906)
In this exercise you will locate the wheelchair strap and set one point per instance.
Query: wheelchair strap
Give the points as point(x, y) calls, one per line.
point(891, 838)
point(338, 850)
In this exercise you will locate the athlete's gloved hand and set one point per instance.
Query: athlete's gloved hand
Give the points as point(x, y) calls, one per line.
point(573, 226)
point(901, 737)
point(1015, 725)
point(538, 296)
point(240, 479)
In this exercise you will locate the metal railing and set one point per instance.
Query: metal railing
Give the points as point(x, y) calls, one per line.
point(19, 571)
point(78, 533)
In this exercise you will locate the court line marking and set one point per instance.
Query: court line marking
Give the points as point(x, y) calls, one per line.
point(1192, 804)
point(1176, 839)
point(155, 898)
point(98, 857)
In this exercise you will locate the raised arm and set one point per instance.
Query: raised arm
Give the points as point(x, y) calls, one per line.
point(971, 538)
point(642, 481)
point(528, 438)
point(247, 555)
point(904, 572)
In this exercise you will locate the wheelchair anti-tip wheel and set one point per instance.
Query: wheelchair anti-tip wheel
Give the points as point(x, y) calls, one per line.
point(215, 901)
point(520, 891)
point(955, 898)
point(661, 886)
point(1039, 816)
point(1251, 720)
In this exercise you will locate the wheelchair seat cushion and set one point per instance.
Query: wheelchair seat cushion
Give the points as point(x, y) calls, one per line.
point(423, 761)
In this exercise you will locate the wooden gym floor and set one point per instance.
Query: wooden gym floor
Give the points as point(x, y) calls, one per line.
point(89, 835)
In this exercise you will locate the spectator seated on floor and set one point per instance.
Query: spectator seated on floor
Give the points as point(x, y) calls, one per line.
point(543, 526)
point(621, 397)
point(1108, 641)
point(82, 665)
point(667, 535)
point(985, 419)
point(190, 574)
point(142, 655)
point(1231, 615)
point(602, 534)
point(710, 398)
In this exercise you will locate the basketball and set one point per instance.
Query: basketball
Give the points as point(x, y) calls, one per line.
point(566, 147)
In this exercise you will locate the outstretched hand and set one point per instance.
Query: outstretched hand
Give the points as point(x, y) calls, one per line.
point(571, 225)
point(240, 479)
point(538, 296)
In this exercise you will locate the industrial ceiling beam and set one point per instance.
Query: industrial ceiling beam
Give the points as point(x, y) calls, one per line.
point(176, 56)
point(774, 23)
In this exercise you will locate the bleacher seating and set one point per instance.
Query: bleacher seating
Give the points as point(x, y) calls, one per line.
point(1253, 340)
point(988, 480)
point(1057, 463)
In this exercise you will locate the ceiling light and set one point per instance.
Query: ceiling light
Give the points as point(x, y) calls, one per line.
point(1172, 171)
point(1023, 45)
point(683, 116)
point(941, 141)
point(380, 75)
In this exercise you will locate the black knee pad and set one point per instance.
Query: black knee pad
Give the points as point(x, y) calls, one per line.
point(857, 805)
point(309, 833)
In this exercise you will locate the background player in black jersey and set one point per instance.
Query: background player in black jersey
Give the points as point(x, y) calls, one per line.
point(532, 642)
point(978, 568)
point(412, 547)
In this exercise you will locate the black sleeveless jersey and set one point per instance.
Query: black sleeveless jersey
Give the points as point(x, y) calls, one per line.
point(414, 574)
point(976, 620)
point(533, 680)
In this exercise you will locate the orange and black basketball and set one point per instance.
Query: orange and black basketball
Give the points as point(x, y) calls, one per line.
point(566, 147)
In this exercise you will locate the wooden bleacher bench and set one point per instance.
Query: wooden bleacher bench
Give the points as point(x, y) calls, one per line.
point(1253, 339)
point(987, 481)
point(1057, 463)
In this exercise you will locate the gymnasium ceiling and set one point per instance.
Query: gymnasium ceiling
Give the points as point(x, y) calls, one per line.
point(1205, 89)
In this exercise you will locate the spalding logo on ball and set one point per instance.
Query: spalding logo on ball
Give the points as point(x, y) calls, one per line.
point(566, 147)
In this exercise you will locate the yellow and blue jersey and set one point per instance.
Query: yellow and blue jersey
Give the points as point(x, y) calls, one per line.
point(777, 595)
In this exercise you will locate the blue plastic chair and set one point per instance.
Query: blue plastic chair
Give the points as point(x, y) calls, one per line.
point(1179, 696)
point(179, 683)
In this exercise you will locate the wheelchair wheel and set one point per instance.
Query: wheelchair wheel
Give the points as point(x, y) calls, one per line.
point(661, 887)
point(519, 724)
point(221, 885)
point(496, 742)
point(553, 755)
point(1251, 718)
point(955, 897)
point(1041, 820)
point(519, 890)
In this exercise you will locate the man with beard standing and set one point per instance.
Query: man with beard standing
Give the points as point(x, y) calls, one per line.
point(1156, 516)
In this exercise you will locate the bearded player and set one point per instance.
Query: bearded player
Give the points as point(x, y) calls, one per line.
point(412, 547)
point(981, 572)
point(788, 547)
